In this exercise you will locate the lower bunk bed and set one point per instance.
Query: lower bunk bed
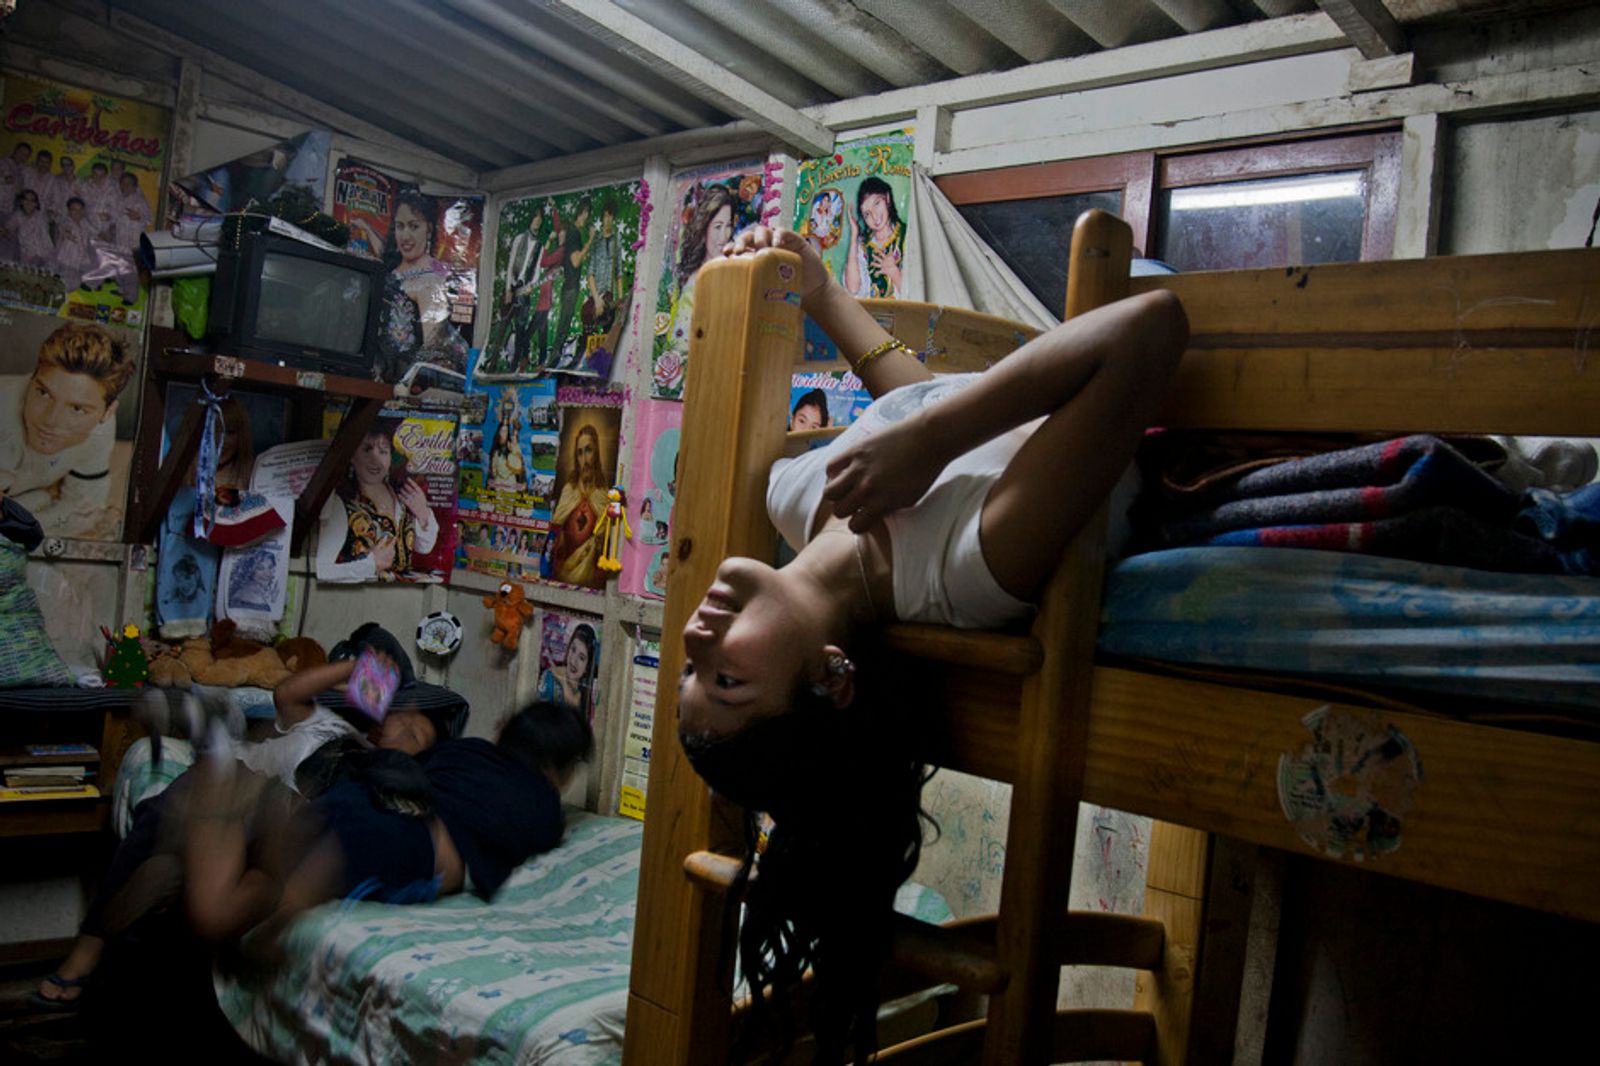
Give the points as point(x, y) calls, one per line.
point(1483, 781)
point(537, 976)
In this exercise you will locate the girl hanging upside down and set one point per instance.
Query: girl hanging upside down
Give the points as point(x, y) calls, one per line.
point(949, 501)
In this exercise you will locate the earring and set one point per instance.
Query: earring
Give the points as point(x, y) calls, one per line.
point(840, 665)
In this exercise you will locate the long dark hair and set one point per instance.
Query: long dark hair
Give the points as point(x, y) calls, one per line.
point(843, 789)
point(424, 206)
point(399, 472)
point(875, 187)
point(585, 632)
point(692, 254)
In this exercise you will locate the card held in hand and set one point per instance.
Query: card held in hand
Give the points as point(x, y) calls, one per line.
point(373, 682)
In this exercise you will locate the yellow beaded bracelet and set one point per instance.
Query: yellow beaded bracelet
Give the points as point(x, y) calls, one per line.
point(861, 362)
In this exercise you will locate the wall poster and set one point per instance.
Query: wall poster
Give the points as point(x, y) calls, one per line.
point(563, 282)
point(392, 515)
point(708, 207)
point(68, 412)
point(507, 455)
point(431, 244)
point(641, 721)
point(569, 661)
point(80, 177)
point(852, 206)
point(586, 469)
point(652, 489)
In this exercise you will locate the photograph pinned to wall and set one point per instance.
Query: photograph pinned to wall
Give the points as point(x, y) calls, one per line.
point(563, 282)
point(586, 470)
point(80, 176)
point(252, 423)
point(641, 723)
point(569, 661)
point(392, 514)
point(293, 170)
point(708, 206)
point(507, 456)
point(852, 207)
point(652, 489)
point(69, 407)
point(254, 586)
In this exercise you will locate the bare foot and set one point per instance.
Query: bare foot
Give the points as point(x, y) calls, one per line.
point(65, 985)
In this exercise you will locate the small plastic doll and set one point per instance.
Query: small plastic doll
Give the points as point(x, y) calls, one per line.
point(613, 526)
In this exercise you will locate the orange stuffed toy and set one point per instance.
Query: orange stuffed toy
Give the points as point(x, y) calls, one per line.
point(511, 611)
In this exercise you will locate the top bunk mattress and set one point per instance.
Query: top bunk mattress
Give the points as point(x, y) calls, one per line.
point(1531, 639)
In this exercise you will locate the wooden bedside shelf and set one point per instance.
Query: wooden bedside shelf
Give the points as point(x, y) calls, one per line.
point(156, 481)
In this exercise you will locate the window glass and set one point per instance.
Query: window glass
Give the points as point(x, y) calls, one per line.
point(1032, 237)
point(1294, 221)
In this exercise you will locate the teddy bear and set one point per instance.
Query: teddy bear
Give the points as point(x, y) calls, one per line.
point(230, 661)
point(167, 668)
point(511, 610)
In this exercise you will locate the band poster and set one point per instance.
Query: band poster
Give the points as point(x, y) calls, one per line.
point(431, 245)
point(569, 661)
point(80, 177)
point(852, 206)
point(652, 489)
point(563, 282)
point(708, 206)
point(392, 515)
point(507, 457)
point(69, 406)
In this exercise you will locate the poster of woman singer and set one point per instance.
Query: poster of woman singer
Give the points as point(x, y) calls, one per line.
point(586, 468)
point(708, 207)
point(431, 245)
point(392, 515)
point(569, 661)
point(563, 279)
point(852, 206)
point(67, 421)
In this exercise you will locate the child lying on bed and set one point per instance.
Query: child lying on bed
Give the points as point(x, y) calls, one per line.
point(488, 807)
point(304, 756)
point(949, 501)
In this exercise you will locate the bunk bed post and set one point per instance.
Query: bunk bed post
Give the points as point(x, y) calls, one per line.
point(746, 340)
point(1052, 731)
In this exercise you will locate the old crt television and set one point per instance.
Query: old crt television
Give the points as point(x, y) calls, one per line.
point(284, 301)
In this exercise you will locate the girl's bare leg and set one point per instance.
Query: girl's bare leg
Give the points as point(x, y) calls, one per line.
point(224, 895)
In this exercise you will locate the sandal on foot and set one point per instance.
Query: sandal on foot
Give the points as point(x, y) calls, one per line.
point(39, 999)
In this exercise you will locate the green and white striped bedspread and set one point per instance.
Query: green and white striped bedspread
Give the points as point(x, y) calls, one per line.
point(538, 976)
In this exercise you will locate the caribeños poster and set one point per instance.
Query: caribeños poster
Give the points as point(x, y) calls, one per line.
point(80, 176)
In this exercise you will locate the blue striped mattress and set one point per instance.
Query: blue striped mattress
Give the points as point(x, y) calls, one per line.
point(1532, 639)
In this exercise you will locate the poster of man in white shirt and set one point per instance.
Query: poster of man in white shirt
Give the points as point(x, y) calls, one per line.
point(66, 436)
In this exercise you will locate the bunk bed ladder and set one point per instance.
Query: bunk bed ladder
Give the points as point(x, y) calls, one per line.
point(1035, 934)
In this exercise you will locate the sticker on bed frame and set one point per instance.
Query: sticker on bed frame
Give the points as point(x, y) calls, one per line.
point(1349, 790)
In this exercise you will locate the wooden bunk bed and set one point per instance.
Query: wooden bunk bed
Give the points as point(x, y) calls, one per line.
point(1482, 344)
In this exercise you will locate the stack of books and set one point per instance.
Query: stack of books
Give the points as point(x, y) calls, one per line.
point(48, 772)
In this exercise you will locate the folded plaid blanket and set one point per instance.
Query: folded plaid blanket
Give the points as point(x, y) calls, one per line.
point(1412, 498)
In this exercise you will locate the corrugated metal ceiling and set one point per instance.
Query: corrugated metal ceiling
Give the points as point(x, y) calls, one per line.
point(497, 83)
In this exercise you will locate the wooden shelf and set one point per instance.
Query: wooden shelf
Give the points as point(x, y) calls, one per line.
point(47, 817)
point(156, 481)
